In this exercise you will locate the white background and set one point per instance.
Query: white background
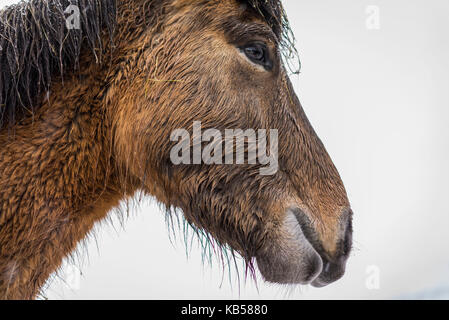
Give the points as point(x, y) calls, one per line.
point(379, 100)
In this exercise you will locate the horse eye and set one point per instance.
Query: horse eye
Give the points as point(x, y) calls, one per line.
point(255, 52)
point(258, 53)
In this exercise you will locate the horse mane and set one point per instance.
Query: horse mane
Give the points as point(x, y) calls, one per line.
point(36, 46)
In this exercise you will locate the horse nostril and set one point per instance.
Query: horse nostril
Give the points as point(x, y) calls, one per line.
point(346, 237)
point(333, 265)
point(307, 229)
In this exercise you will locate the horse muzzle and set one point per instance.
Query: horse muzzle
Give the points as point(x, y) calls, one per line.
point(298, 256)
point(334, 264)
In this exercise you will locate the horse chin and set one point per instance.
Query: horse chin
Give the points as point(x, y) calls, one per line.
point(290, 259)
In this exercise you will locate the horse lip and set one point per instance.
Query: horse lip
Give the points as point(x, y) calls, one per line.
point(331, 272)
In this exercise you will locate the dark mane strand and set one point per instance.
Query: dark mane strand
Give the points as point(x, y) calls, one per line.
point(36, 46)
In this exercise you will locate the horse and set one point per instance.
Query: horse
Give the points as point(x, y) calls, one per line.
point(91, 92)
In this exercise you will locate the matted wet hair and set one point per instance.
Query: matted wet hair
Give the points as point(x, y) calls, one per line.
point(274, 14)
point(36, 46)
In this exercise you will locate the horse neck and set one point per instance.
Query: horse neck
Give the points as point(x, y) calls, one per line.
point(57, 176)
point(56, 180)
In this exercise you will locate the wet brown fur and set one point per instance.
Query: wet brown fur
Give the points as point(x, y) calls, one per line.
point(102, 133)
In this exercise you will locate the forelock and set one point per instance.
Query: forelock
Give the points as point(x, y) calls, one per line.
point(272, 11)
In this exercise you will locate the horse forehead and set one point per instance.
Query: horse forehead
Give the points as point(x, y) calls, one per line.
point(217, 6)
point(222, 13)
